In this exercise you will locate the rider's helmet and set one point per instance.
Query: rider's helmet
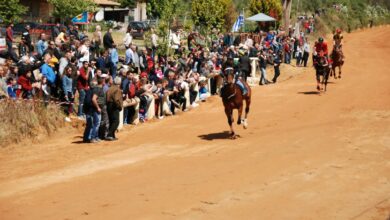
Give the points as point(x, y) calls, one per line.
point(320, 40)
point(338, 30)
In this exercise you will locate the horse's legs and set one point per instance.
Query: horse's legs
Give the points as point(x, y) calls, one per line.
point(340, 71)
point(229, 115)
point(334, 72)
point(247, 106)
point(239, 121)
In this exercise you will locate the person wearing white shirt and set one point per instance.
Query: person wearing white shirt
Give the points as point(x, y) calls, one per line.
point(132, 58)
point(154, 42)
point(129, 56)
point(84, 50)
point(298, 55)
point(175, 40)
point(249, 42)
point(128, 38)
point(64, 61)
point(306, 52)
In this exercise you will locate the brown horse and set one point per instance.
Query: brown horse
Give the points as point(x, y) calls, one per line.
point(323, 69)
point(233, 98)
point(337, 57)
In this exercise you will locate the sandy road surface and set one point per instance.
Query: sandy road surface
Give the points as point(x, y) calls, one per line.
point(304, 156)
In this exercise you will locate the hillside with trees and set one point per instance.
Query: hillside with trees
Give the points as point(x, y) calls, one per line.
point(349, 14)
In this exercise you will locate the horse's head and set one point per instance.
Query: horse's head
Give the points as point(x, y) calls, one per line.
point(229, 72)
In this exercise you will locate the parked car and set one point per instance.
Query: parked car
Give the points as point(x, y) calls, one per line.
point(151, 23)
point(138, 28)
point(3, 30)
point(43, 28)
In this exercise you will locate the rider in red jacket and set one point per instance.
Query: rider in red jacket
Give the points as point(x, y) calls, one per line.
point(321, 46)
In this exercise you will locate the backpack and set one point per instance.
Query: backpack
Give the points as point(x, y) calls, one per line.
point(88, 105)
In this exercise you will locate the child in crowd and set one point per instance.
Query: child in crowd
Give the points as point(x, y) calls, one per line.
point(12, 88)
point(203, 92)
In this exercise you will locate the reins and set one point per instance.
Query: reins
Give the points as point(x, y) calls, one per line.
point(234, 94)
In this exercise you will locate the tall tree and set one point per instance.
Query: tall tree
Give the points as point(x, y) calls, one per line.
point(11, 10)
point(230, 14)
point(66, 9)
point(163, 9)
point(286, 12)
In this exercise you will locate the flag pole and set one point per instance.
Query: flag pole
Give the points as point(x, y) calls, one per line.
point(243, 14)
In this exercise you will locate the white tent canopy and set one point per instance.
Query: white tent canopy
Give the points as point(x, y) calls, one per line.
point(261, 17)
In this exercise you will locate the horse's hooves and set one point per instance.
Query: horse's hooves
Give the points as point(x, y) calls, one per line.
point(239, 122)
point(339, 77)
point(245, 125)
point(233, 137)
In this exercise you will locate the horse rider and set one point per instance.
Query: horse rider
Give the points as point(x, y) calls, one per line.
point(321, 46)
point(337, 38)
point(321, 62)
point(337, 41)
point(231, 75)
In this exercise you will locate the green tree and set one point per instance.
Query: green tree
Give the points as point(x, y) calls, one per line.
point(166, 11)
point(11, 10)
point(230, 14)
point(272, 8)
point(209, 13)
point(66, 9)
point(128, 3)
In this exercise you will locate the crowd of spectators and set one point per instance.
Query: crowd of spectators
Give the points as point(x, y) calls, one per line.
point(86, 75)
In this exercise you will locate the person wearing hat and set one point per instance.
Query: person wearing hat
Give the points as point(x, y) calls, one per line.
point(337, 38)
point(321, 46)
point(337, 41)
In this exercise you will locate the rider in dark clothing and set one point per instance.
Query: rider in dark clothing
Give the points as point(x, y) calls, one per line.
point(245, 66)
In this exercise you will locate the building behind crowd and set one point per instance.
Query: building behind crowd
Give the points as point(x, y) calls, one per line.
point(41, 11)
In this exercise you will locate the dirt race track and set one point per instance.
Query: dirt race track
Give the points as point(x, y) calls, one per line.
point(304, 156)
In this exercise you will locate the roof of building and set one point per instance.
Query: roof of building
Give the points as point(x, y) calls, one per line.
point(107, 3)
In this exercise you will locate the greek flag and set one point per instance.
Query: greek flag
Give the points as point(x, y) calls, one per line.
point(239, 22)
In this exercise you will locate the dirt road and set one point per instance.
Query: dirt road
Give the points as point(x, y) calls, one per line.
point(304, 156)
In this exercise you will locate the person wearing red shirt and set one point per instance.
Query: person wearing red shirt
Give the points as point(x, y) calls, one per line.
point(10, 36)
point(321, 46)
point(83, 85)
point(287, 51)
point(26, 86)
